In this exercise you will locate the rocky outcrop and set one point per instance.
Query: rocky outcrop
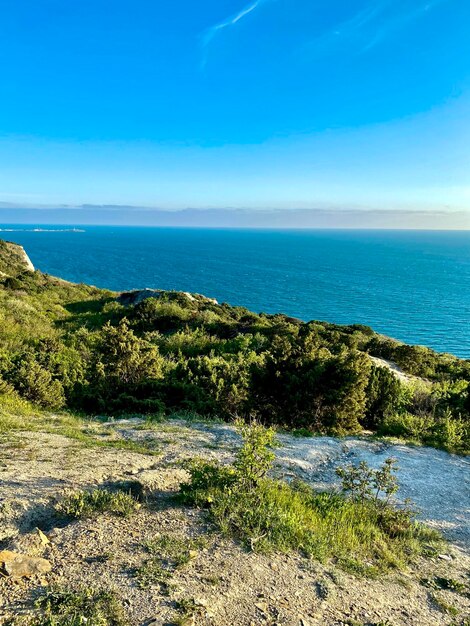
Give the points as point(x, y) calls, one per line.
point(130, 298)
point(26, 260)
point(13, 259)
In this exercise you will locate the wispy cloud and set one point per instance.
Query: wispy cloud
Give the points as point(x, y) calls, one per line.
point(399, 21)
point(372, 25)
point(211, 32)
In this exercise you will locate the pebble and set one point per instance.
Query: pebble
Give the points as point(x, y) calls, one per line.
point(262, 606)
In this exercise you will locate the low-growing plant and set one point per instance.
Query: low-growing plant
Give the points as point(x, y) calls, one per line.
point(354, 622)
point(168, 553)
point(152, 573)
point(76, 608)
point(448, 584)
point(363, 482)
point(445, 431)
point(175, 551)
point(83, 504)
point(186, 610)
point(443, 605)
point(301, 433)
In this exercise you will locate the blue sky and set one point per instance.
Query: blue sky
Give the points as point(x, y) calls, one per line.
point(236, 103)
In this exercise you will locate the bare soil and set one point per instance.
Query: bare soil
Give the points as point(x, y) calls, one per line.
point(227, 584)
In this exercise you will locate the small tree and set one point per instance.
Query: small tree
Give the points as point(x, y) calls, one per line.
point(255, 458)
point(253, 461)
point(125, 359)
point(365, 483)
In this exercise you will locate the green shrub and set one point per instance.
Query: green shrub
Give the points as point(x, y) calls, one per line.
point(158, 314)
point(278, 516)
point(255, 457)
point(446, 432)
point(83, 504)
point(124, 358)
point(301, 384)
point(36, 384)
point(364, 483)
point(211, 385)
point(123, 371)
point(384, 396)
point(76, 608)
point(452, 434)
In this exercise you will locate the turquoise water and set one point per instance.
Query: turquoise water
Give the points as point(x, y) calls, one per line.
point(411, 285)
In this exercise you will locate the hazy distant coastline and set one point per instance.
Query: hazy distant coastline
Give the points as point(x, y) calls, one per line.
point(42, 230)
point(237, 218)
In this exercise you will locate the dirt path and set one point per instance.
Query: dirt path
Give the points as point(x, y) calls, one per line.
point(395, 369)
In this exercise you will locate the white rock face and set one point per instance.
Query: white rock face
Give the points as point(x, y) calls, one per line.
point(27, 260)
point(22, 256)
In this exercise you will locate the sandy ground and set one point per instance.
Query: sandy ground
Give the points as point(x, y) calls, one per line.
point(229, 585)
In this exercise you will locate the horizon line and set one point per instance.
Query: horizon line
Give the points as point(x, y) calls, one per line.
point(206, 227)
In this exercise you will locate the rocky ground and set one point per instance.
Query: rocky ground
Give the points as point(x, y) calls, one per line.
point(223, 583)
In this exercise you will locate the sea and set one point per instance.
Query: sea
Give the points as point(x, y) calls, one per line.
point(410, 285)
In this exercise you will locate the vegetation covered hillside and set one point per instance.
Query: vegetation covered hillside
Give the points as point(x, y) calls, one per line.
point(79, 347)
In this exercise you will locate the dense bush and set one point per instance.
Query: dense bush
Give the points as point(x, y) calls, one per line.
point(302, 384)
point(35, 383)
point(78, 347)
point(447, 432)
point(384, 396)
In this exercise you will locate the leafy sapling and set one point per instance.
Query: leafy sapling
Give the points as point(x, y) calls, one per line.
point(364, 483)
point(256, 456)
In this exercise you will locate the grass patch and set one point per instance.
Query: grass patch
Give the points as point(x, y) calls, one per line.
point(175, 551)
point(365, 536)
point(152, 573)
point(85, 504)
point(278, 516)
point(76, 608)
